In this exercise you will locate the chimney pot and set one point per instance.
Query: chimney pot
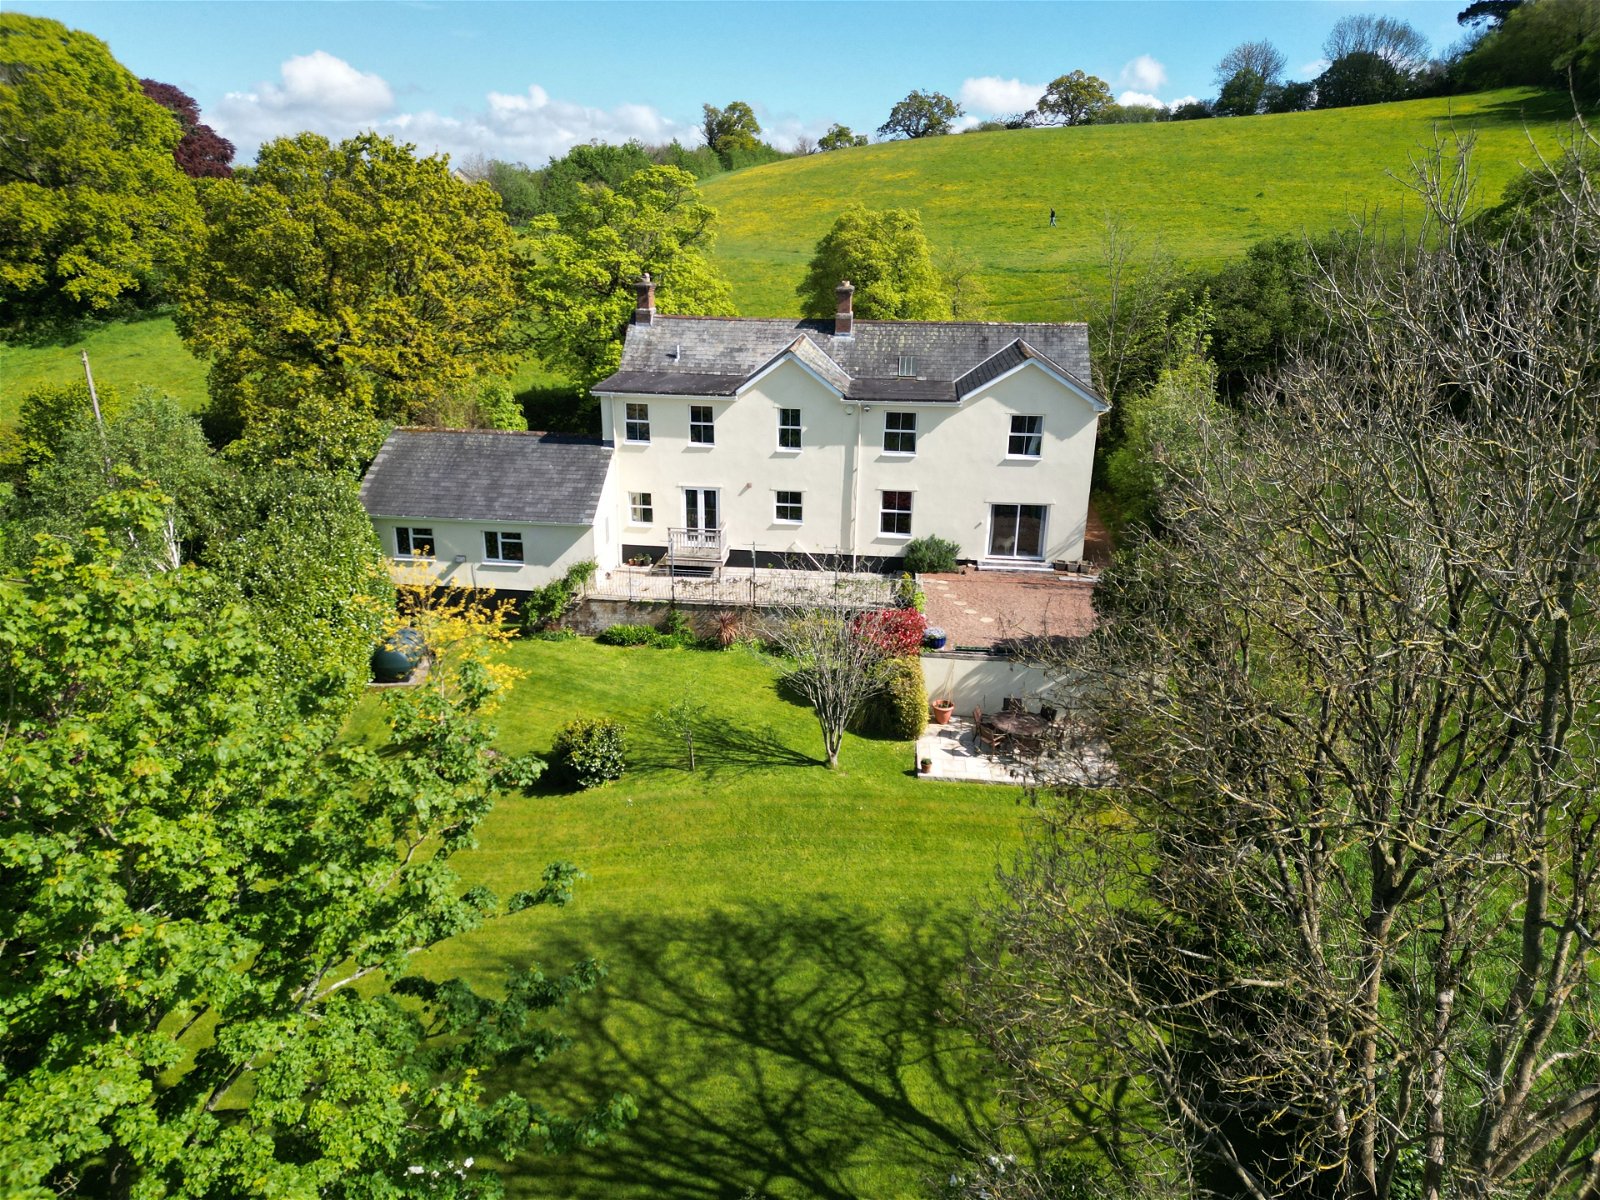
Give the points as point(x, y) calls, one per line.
point(844, 319)
point(644, 312)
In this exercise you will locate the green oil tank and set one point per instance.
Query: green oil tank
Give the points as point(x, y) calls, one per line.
point(397, 656)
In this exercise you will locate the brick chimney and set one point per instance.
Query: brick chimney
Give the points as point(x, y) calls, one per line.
point(844, 319)
point(645, 311)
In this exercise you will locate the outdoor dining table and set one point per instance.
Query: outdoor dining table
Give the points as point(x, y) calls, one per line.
point(1023, 727)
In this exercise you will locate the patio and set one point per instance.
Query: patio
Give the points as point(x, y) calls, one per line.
point(734, 587)
point(957, 757)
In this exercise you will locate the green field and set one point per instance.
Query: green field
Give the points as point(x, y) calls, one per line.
point(780, 938)
point(1203, 190)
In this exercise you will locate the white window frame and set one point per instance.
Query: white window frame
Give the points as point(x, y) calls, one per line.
point(636, 429)
point(796, 428)
point(405, 539)
point(497, 554)
point(1044, 533)
point(641, 508)
point(900, 434)
point(707, 426)
point(779, 504)
point(885, 513)
point(1035, 436)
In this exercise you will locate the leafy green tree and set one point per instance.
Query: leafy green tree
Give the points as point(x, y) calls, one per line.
point(885, 254)
point(1494, 12)
point(729, 130)
point(921, 114)
point(839, 137)
point(1242, 95)
point(92, 206)
point(1361, 77)
point(194, 885)
point(566, 180)
point(1294, 96)
point(1541, 45)
point(1073, 99)
point(580, 269)
point(340, 286)
point(1161, 425)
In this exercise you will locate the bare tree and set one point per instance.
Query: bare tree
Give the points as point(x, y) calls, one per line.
point(836, 662)
point(1127, 330)
point(1262, 57)
point(1389, 38)
point(1333, 932)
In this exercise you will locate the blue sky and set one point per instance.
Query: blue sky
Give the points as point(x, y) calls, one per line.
point(521, 81)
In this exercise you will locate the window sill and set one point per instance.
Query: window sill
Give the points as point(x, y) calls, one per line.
point(501, 562)
point(787, 524)
point(1024, 457)
point(700, 446)
point(787, 452)
point(635, 442)
point(897, 453)
point(893, 537)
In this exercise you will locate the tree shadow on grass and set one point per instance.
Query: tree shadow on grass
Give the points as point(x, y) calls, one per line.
point(719, 749)
point(793, 1053)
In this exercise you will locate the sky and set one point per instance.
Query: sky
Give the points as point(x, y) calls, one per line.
point(523, 81)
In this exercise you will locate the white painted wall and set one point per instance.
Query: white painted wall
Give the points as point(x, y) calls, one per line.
point(548, 551)
point(979, 681)
point(960, 467)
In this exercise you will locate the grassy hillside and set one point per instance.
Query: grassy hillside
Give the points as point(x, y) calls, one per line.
point(1204, 189)
point(125, 355)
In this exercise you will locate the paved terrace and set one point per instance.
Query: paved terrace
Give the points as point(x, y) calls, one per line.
point(739, 586)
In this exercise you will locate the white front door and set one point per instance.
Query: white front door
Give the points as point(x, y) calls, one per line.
point(1016, 531)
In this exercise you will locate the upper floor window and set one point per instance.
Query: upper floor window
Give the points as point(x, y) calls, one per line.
point(895, 516)
point(900, 433)
point(788, 429)
point(413, 541)
point(640, 510)
point(701, 431)
point(1027, 435)
point(502, 547)
point(908, 367)
point(789, 507)
point(636, 428)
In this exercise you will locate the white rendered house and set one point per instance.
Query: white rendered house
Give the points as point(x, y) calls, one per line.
point(773, 441)
point(776, 439)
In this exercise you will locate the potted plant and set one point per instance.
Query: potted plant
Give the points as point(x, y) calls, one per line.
point(926, 765)
point(934, 637)
point(942, 708)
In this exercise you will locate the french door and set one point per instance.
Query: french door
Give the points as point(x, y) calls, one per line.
point(1016, 531)
point(700, 509)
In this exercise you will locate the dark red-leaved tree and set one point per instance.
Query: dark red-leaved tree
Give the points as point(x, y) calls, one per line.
point(203, 152)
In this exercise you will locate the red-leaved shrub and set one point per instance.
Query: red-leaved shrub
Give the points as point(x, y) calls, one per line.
point(896, 631)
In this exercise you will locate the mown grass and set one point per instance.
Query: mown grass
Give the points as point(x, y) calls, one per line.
point(1203, 190)
point(781, 938)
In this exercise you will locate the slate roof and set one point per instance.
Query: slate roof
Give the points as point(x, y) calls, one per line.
point(481, 475)
point(715, 356)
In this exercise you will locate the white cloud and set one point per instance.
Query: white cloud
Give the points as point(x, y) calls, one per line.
point(965, 122)
point(1182, 100)
point(1313, 68)
point(1143, 99)
point(327, 95)
point(1143, 74)
point(996, 97)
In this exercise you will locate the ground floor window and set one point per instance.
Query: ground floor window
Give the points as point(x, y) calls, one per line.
point(1016, 530)
point(502, 547)
point(413, 541)
point(894, 518)
point(640, 510)
point(789, 507)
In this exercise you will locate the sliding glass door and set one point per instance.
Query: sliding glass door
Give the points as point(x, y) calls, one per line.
point(1016, 531)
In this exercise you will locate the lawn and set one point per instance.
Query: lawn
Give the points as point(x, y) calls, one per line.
point(1202, 190)
point(780, 938)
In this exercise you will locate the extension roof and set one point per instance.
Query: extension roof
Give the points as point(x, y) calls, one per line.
point(721, 356)
point(487, 475)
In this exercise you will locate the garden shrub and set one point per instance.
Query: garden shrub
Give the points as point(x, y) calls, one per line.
point(519, 773)
point(628, 635)
point(904, 700)
point(925, 554)
point(548, 604)
point(589, 752)
point(896, 631)
point(908, 595)
point(676, 629)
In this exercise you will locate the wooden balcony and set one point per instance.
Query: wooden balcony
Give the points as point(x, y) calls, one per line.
point(696, 551)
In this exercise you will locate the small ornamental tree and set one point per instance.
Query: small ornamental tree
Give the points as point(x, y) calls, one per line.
point(885, 254)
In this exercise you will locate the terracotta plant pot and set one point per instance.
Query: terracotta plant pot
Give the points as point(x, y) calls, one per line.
point(942, 710)
point(926, 765)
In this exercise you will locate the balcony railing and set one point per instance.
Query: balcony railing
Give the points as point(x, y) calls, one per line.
point(697, 543)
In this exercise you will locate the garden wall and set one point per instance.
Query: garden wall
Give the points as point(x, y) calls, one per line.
point(983, 680)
